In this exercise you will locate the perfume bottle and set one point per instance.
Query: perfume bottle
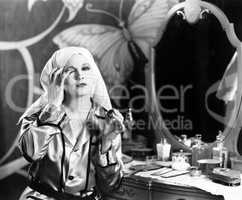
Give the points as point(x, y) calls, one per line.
point(220, 152)
point(200, 150)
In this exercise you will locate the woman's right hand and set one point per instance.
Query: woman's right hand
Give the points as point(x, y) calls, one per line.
point(56, 86)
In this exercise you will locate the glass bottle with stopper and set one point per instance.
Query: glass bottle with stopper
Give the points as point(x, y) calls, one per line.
point(200, 150)
point(219, 152)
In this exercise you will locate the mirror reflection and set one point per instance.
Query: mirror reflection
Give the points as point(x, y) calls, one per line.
point(190, 59)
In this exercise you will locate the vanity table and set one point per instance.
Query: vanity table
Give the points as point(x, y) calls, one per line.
point(140, 188)
point(152, 182)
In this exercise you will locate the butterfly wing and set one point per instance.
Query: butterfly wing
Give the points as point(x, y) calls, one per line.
point(118, 57)
point(96, 38)
point(108, 46)
point(146, 22)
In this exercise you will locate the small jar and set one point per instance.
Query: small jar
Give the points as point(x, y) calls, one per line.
point(180, 161)
point(181, 156)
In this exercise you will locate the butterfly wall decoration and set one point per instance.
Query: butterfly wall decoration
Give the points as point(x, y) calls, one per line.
point(73, 7)
point(110, 45)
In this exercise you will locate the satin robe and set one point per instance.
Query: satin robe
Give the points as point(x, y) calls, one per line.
point(64, 163)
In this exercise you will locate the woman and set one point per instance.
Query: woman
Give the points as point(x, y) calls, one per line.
point(70, 134)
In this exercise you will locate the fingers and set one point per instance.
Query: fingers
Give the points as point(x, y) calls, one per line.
point(59, 75)
point(114, 114)
point(118, 115)
point(117, 120)
point(113, 128)
point(52, 74)
point(65, 74)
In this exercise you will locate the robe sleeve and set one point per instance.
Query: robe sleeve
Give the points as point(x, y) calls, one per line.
point(38, 130)
point(108, 163)
point(109, 166)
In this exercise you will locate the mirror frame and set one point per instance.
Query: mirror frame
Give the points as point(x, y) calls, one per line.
point(232, 129)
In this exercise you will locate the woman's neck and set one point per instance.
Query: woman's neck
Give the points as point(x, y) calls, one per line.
point(78, 108)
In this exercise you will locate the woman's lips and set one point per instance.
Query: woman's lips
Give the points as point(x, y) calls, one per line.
point(81, 84)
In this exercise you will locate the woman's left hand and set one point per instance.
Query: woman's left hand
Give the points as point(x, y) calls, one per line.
point(113, 127)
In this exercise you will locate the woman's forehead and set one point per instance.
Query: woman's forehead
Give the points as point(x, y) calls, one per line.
point(77, 60)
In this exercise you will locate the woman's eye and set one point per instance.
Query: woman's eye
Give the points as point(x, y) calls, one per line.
point(85, 68)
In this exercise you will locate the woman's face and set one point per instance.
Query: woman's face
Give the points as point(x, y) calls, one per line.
point(81, 79)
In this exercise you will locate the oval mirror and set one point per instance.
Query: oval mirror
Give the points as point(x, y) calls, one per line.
point(224, 116)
